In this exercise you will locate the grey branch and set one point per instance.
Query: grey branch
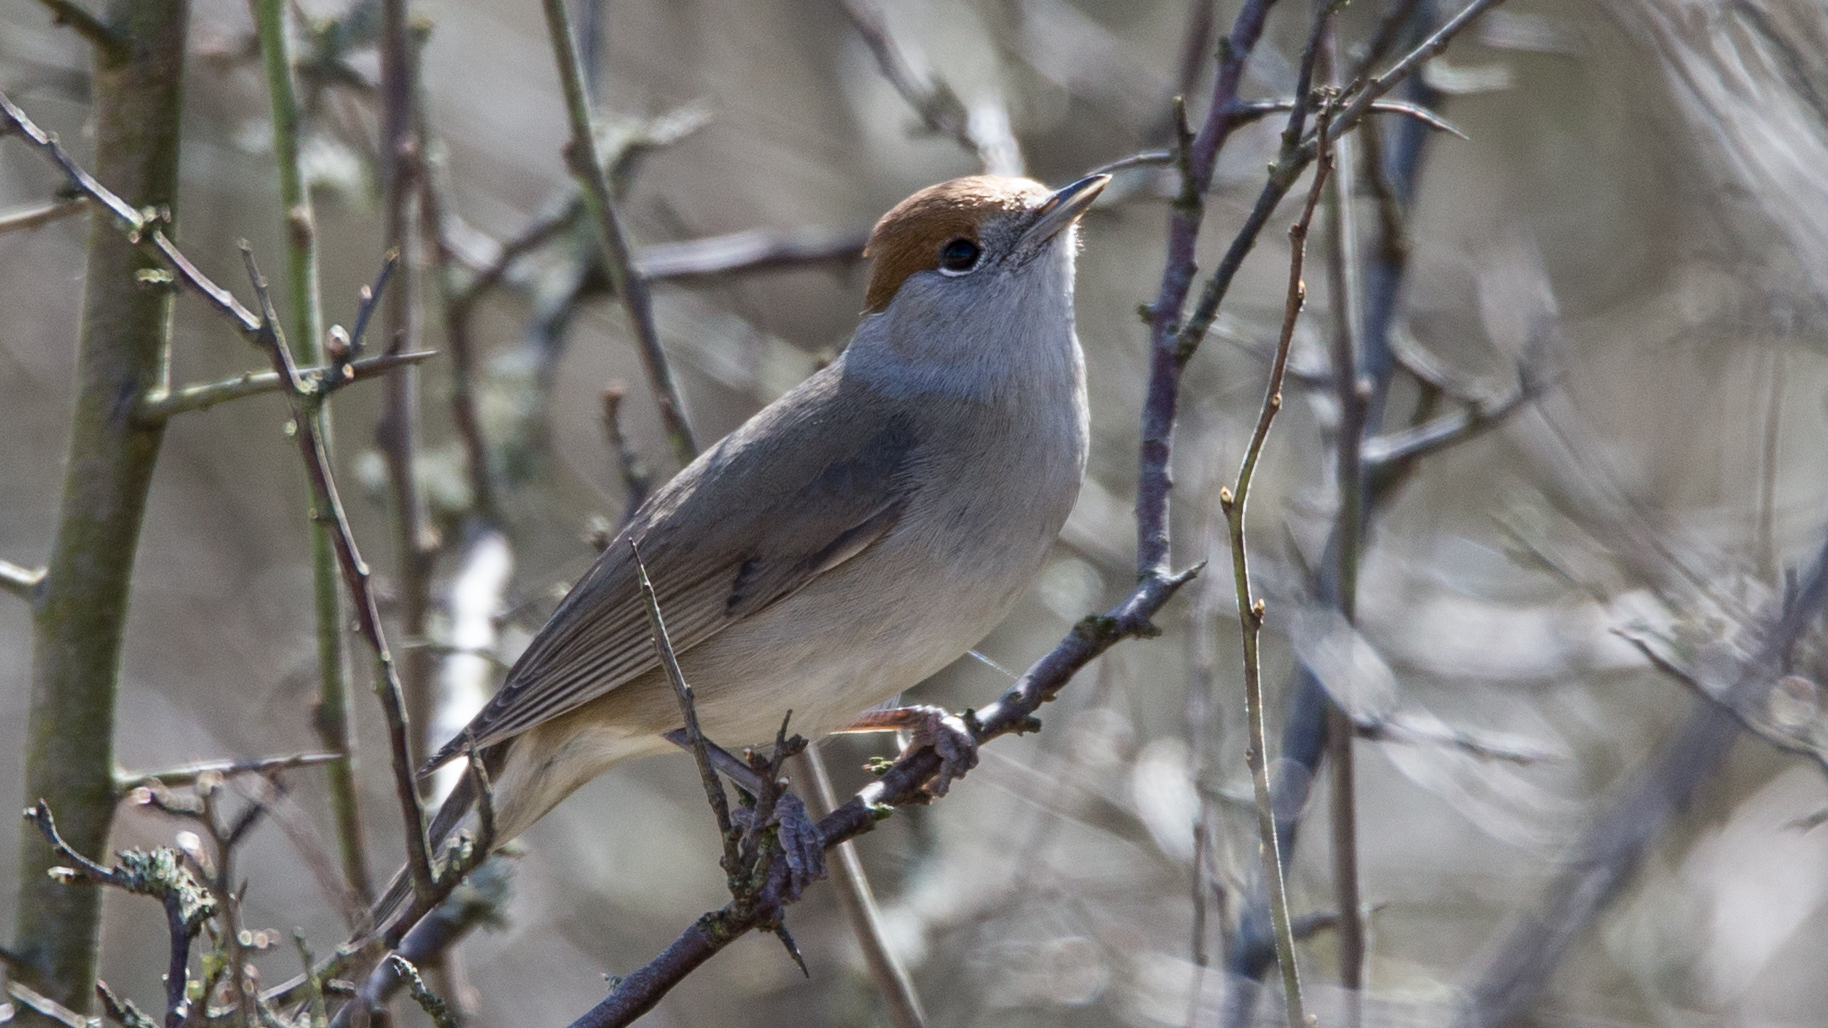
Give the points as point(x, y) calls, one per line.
point(187, 774)
point(158, 407)
point(27, 218)
point(20, 581)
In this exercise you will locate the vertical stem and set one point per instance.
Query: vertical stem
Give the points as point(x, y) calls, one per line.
point(1251, 610)
point(81, 609)
point(618, 259)
point(399, 428)
point(1342, 286)
point(307, 331)
point(859, 903)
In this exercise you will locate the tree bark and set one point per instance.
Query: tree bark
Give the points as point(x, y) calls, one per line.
point(80, 609)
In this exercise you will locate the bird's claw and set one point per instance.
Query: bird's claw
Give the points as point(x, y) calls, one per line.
point(801, 845)
point(950, 738)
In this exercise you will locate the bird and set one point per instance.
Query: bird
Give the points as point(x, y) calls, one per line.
point(852, 538)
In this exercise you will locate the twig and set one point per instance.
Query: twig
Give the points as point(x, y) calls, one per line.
point(1390, 452)
point(318, 1013)
point(188, 774)
point(753, 250)
point(161, 406)
point(157, 874)
point(859, 903)
point(464, 414)
point(630, 286)
point(27, 218)
point(938, 107)
point(86, 25)
point(902, 783)
point(22, 582)
point(40, 1003)
point(1250, 610)
point(636, 483)
point(663, 649)
point(434, 1006)
point(331, 715)
point(355, 575)
point(120, 1010)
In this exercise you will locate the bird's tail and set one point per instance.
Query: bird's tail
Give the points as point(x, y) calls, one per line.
point(455, 810)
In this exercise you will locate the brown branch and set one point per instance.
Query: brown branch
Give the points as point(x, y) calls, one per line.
point(636, 482)
point(88, 26)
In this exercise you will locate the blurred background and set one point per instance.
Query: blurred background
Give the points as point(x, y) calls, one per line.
point(1616, 280)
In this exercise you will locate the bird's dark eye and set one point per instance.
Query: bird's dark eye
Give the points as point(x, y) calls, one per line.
point(959, 256)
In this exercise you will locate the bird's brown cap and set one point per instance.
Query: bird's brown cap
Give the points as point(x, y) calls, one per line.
point(910, 236)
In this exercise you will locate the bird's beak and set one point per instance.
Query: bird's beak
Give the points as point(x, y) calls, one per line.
point(1063, 208)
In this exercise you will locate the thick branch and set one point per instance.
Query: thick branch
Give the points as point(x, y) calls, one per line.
point(88, 26)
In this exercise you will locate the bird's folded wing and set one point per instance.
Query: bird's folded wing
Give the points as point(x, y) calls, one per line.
point(746, 526)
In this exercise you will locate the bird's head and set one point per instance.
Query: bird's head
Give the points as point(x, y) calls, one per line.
point(972, 279)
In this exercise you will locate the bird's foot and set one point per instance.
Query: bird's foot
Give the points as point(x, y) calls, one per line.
point(927, 726)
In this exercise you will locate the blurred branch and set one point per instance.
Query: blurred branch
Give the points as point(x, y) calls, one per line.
point(859, 903)
point(397, 433)
point(1343, 288)
point(27, 218)
point(110, 43)
point(188, 774)
point(1518, 966)
point(631, 287)
point(39, 1003)
point(22, 582)
point(331, 716)
point(752, 250)
point(938, 107)
point(80, 608)
point(158, 407)
point(1393, 452)
point(636, 482)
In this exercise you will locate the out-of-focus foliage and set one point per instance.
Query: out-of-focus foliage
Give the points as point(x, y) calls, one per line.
point(1639, 218)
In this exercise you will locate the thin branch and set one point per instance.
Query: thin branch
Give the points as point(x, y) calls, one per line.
point(753, 250)
point(144, 228)
point(188, 774)
point(355, 575)
point(636, 482)
point(158, 407)
point(22, 582)
point(1390, 452)
point(630, 285)
point(42, 1004)
point(86, 25)
point(682, 691)
point(859, 903)
point(1250, 610)
point(1196, 155)
point(27, 218)
point(902, 783)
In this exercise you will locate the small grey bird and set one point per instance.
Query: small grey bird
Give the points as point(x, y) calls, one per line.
point(853, 538)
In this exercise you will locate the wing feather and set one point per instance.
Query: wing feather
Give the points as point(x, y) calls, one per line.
point(803, 487)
